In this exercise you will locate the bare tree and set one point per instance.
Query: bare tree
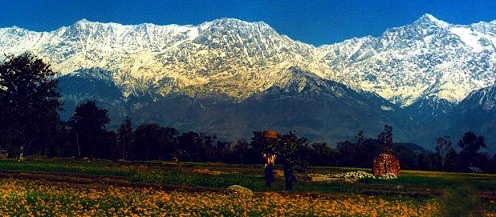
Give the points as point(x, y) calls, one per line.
point(444, 148)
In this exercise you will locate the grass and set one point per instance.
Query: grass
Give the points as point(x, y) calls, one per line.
point(458, 193)
point(100, 167)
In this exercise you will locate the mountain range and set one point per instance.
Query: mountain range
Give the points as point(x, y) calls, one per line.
point(229, 77)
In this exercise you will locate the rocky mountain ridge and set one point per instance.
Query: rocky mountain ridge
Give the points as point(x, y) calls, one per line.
point(427, 59)
point(219, 75)
point(214, 57)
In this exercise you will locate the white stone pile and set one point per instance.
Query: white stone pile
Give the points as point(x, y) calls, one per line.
point(361, 175)
point(353, 175)
point(388, 176)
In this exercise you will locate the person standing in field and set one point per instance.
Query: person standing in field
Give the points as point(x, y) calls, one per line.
point(269, 169)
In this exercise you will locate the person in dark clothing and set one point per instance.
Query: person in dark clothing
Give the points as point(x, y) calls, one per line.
point(269, 169)
point(269, 175)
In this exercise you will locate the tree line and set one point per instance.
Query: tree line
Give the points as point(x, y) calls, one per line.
point(85, 135)
point(30, 124)
point(470, 157)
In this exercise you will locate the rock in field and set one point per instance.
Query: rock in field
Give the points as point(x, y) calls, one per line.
point(240, 190)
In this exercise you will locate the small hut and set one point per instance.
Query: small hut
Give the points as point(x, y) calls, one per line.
point(386, 163)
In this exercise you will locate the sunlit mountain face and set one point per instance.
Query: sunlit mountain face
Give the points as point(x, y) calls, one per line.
point(232, 77)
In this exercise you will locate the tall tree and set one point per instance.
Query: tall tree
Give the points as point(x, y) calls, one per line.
point(148, 139)
point(89, 123)
point(196, 146)
point(471, 145)
point(445, 152)
point(323, 155)
point(125, 138)
point(30, 102)
point(154, 142)
point(170, 143)
point(243, 153)
point(364, 150)
point(348, 152)
point(386, 137)
point(294, 153)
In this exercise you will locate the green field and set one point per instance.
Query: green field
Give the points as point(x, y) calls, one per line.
point(449, 194)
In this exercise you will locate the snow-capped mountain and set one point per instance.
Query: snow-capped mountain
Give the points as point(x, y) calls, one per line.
point(226, 56)
point(427, 59)
point(405, 76)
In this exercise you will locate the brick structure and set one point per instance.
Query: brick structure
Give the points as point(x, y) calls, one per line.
point(386, 163)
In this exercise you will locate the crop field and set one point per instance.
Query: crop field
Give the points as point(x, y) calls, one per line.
point(105, 188)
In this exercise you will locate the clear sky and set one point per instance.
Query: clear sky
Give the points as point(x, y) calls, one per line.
point(311, 21)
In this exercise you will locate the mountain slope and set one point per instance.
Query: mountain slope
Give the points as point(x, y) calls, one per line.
point(318, 109)
point(212, 57)
point(427, 59)
point(92, 84)
point(232, 77)
point(477, 113)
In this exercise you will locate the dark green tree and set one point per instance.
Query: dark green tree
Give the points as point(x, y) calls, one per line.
point(369, 149)
point(359, 155)
point(470, 154)
point(261, 144)
point(348, 152)
point(362, 152)
point(240, 152)
point(386, 137)
point(323, 155)
point(125, 138)
point(221, 151)
point(406, 156)
point(293, 152)
point(89, 130)
point(30, 103)
point(104, 149)
point(63, 146)
point(170, 143)
point(196, 146)
point(148, 139)
point(154, 142)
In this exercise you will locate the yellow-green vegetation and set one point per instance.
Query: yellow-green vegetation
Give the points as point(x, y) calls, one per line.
point(103, 188)
point(36, 198)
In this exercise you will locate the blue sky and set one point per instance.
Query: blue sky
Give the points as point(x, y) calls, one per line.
point(312, 21)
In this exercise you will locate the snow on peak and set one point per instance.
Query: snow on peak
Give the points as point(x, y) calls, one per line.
point(84, 20)
point(469, 37)
point(433, 57)
point(429, 18)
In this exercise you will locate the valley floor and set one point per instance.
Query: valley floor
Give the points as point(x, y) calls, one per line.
point(105, 188)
